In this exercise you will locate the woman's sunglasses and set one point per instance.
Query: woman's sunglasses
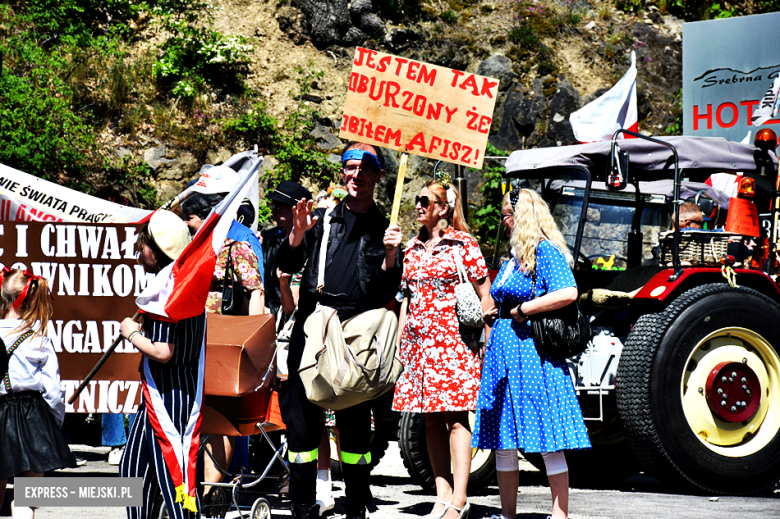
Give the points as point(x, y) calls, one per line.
point(424, 201)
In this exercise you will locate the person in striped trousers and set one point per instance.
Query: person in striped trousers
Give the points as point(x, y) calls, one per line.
point(172, 352)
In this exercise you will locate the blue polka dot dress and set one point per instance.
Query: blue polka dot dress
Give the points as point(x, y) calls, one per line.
point(526, 399)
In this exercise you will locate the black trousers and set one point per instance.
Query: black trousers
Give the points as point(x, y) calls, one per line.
point(305, 423)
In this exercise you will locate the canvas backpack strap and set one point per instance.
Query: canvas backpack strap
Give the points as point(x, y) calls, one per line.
point(10, 351)
point(323, 252)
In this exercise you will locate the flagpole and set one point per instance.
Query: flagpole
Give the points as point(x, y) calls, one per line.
point(99, 364)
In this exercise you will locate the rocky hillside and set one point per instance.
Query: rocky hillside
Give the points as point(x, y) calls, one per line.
point(182, 86)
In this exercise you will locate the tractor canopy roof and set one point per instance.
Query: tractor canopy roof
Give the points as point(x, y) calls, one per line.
point(702, 154)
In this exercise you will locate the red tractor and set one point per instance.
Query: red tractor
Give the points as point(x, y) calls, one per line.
point(683, 371)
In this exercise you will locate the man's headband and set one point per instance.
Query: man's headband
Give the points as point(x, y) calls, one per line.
point(365, 156)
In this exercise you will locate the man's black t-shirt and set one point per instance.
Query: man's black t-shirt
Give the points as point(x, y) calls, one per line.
point(341, 279)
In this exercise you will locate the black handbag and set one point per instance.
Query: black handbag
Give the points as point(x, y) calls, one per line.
point(233, 298)
point(560, 333)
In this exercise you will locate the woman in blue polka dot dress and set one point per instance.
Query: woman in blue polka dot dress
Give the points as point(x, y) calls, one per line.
point(526, 399)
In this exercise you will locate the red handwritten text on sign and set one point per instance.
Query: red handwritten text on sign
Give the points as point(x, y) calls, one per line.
point(418, 108)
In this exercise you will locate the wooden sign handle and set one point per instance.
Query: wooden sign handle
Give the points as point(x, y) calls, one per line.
point(99, 364)
point(399, 188)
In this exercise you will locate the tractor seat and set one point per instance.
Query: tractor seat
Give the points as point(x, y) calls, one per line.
point(618, 281)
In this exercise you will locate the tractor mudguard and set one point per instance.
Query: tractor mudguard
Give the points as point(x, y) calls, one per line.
point(659, 288)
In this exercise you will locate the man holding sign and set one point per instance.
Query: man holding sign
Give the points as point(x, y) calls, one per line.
point(362, 272)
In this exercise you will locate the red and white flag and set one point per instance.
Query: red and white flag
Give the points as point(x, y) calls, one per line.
point(616, 109)
point(770, 105)
point(179, 291)
point(726, 183)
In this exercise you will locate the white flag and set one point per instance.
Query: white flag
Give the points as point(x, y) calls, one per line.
point(616, 109)
point(770, 104)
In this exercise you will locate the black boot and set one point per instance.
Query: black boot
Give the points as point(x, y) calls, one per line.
point(306, 512)
point(362, 514)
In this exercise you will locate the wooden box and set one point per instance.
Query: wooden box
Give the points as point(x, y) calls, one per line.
point(239, 353)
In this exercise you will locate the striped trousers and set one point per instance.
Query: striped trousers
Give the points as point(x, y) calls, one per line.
point(143, 458)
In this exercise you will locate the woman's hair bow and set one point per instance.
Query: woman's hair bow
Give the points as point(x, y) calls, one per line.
point(23, 294)
point(3, 274)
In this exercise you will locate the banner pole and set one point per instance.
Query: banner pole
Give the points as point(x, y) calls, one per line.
point(399, 187)
point(99, 364)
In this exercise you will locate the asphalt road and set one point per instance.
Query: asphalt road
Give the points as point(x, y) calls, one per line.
point(639, 497)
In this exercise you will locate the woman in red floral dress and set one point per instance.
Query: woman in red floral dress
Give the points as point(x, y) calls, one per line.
point(441, 362)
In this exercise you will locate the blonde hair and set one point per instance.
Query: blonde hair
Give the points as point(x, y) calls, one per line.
point(36, 306)
point(533, 222)
point(454, 214)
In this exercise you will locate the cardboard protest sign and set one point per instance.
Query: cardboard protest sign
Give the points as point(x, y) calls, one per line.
point(25, 198)
point(94, 279)
point(418, 108)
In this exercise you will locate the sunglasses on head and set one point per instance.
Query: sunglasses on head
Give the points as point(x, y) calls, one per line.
point(424, 200)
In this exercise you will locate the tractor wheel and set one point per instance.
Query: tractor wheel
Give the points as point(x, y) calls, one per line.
point(414, 452)
point(698, 388)
point(587, 468)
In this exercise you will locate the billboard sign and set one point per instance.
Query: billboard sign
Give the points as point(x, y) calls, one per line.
point(94, 278)
point(728, 66)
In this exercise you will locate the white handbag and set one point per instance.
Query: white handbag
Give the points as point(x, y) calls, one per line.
point(467, 303)
point(344, 364)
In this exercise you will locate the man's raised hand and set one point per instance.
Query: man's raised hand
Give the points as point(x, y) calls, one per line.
point(302, 221)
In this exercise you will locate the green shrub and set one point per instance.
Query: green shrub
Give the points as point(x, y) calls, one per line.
point(524, 36)
point(41, 133)
point(254, 126)
point(677, 110)
point(449, 16)
point(134, 176)
point(399, 10)
point(195, 54)
point(486, 218)
point(629, 6)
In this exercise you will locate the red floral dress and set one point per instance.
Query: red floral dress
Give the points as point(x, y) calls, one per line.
point(441, 372)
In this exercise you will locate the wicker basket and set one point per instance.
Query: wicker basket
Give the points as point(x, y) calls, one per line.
point(698, 248)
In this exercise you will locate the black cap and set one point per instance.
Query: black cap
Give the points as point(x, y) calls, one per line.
point(288, 192)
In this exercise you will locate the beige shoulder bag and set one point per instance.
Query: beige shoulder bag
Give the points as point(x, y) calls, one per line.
point(344, 364)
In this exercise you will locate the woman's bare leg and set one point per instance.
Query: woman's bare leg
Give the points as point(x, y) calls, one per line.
point(438, 442)
point(559, 488)
point(507, 489)
point(24, 512)
point(460, 453)
point(221, 447)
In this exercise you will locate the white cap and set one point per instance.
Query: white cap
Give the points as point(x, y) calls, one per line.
point(219, 179)
point(169, 232)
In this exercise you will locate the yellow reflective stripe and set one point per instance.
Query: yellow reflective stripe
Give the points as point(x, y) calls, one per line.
point(302, 457)
point(355, 459)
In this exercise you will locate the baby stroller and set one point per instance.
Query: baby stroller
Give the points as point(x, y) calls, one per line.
point(240, 401)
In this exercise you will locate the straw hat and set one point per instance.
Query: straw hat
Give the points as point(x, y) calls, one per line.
point(169, 232)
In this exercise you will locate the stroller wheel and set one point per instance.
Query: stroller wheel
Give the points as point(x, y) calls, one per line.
point(215, 504)
point(260, 509)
